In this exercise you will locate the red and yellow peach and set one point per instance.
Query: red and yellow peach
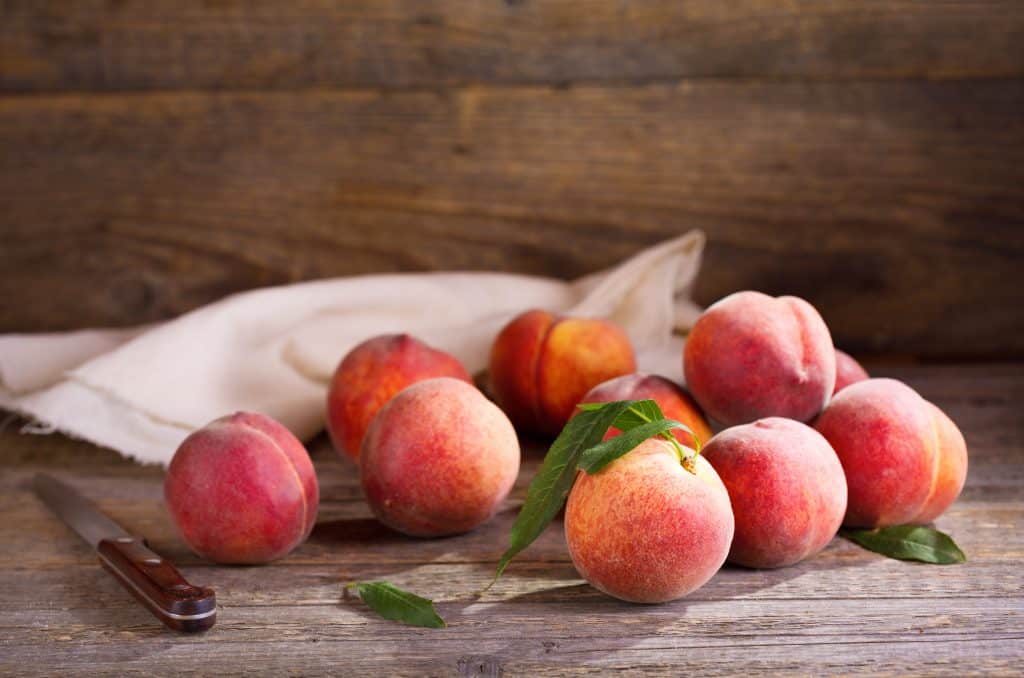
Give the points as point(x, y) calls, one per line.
point(645, 529)
point(542, 365)
point(438, 459)
point(370, 375)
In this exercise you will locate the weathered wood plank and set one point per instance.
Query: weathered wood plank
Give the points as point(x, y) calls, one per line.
point(710, 637)
point(133, 45)
point(706, 624)
point(165, 202)
point(842, 572)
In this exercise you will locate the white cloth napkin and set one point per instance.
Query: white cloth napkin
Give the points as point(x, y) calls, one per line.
point(141, 390)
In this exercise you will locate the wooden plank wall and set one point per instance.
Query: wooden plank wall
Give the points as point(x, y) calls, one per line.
point(865, 154)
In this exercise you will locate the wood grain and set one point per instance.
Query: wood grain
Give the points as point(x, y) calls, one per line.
point(131, 45)
point(844, 611)
point(895, 207)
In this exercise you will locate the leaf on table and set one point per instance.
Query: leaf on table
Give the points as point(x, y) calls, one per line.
point(909, 542)
point(393, 603)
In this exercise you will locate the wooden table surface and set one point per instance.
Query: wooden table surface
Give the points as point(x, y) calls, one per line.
point(844, 611)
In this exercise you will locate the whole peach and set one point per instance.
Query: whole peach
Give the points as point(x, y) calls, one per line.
point(675, 403)
point(848, 371)
point(438, 459)
point(647, 530)
point(242, 489)
point(542, 365)
point(786, 487)
point(751, 356)
point(905, 461)
point(371, 374)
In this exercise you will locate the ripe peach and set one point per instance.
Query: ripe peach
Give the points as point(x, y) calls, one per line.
point(371, 374)
point(786, 487)
point(751, 356)
point(905, 461)
point(242, 490)
point(675, 403)
point(438, 459)
point(542, 365)
point(848, 371)
point(647, 530)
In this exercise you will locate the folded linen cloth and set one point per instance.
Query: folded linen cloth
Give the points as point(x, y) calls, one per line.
point(141, 390)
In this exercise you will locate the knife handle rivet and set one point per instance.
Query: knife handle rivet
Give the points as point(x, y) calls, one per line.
point(124, 540)
point(152, 561)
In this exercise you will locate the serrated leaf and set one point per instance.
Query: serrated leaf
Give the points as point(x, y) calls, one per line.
point(602, 454)
point(909, 542)
point(549, 488)
point(393, 603)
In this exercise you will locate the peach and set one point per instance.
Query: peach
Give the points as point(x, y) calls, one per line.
point(370, 375)
point(647, 530)
point(786, 487)
point(905, 461)
point(675, 403)
point(751, 356)
point(848, 371)
point(438, 459)
point(242, 489)
point(542, 365)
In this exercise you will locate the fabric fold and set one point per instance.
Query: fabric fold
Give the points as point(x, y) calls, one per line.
point(141, 390)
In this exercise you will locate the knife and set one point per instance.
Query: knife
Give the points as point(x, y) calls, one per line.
point(154, 581)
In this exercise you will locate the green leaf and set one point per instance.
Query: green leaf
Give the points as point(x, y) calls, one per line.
point(393, 603)
point(642, 412)
point(549, 488)
point(639, 413)
point(909, 542)
point(602, 454)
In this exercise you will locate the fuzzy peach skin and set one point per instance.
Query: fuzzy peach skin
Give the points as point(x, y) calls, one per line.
point(242, 489)
point(645, 529)
point(905, 461)
point(786, 487)
point(371, 374)
point(848, 371)
point(542, 365)
point(675, 403)
point(438, 459)
point(751, 356)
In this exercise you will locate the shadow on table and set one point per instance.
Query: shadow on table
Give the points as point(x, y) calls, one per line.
point(577, 609)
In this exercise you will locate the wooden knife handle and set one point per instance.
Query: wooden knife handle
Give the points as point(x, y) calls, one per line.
point(158, 585)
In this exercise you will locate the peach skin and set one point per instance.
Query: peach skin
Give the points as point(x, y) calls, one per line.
point(370, 375)
point(438, 459)
point(848, 371)
point(542, 365)
point(751, 356)
point(242, 489)
point(905, 461)
point(646, 530)
point(786, 487)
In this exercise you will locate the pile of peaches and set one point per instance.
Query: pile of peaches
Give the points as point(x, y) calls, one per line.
point(806, 443)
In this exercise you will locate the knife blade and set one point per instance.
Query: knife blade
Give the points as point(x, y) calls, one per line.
point(153, 580)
